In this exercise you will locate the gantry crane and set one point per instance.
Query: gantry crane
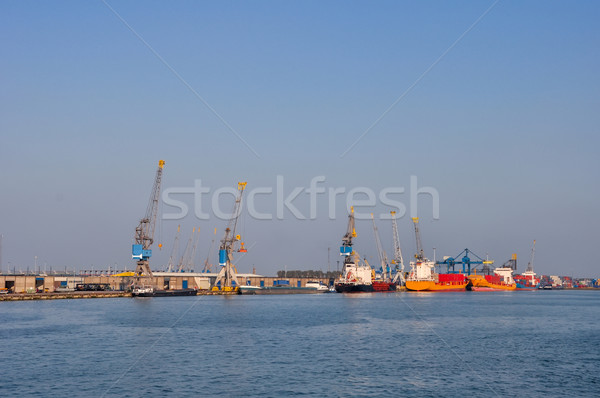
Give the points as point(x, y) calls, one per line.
point(385, 268)
point(144, 233)
point(227, 278)
point(398, 261)
point(420, 256)
point(465, 261)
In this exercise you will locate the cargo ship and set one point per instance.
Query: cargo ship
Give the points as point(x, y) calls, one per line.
point(501, 280)
point(422, 277)
point(284, 287)
point(357, 276)
point(148, 291)
point(528, 280)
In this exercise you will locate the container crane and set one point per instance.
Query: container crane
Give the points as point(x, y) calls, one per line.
point(398, 260)
point(420, 256)
point(144, 233)
point(530, 264)
point(385, 268)
point(465, 261)
point(227, 278)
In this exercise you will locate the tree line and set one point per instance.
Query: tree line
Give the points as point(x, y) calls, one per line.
point(307, 274)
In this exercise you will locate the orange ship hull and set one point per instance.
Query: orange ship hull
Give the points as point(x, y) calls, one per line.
point(432, 286)
point(479, 281)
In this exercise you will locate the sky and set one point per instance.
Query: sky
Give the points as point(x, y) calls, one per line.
point(492, 106)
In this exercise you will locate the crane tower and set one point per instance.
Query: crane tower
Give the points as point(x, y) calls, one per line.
point(420, 254)
point(530, 264)
point(227, 277)
point(380, 252)
point(144, 233)
point(398, 260)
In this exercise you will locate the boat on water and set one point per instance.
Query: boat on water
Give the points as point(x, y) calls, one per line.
point(357, 276)
point(149, 291)
point(422, 277)
point(528, 280)
point(284, 287)
point(501, 280)
point(319, 286)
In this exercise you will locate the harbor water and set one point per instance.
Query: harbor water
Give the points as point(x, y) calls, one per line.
point(520, 343)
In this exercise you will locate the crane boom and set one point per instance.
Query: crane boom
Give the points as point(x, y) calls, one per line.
point(174, 251)
point(530, 264)
point(380, 252)
point(398, 260)
point(192, 260)
point(144, 233)
point(420, 254)
point(207, 265)
point(185, 259)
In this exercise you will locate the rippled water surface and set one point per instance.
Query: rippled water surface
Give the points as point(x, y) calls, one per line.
point(369, 345)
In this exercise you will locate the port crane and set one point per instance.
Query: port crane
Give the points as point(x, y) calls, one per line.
point(512, 263)
point(420, 256)
point(227, 278)
point(174, 251)
point(207, 264)
point(346, 248)
point(383, 260)
point(187, 260)
point(465, 261)
point(398, 261)
point(144, 233)
point(530, 264)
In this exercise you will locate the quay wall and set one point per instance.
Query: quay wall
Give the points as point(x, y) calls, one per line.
point(49, 284)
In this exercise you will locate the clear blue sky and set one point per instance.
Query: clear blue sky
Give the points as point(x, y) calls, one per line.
point(505, 126)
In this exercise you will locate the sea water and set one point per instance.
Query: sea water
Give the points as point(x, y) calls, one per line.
point(522, 343)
